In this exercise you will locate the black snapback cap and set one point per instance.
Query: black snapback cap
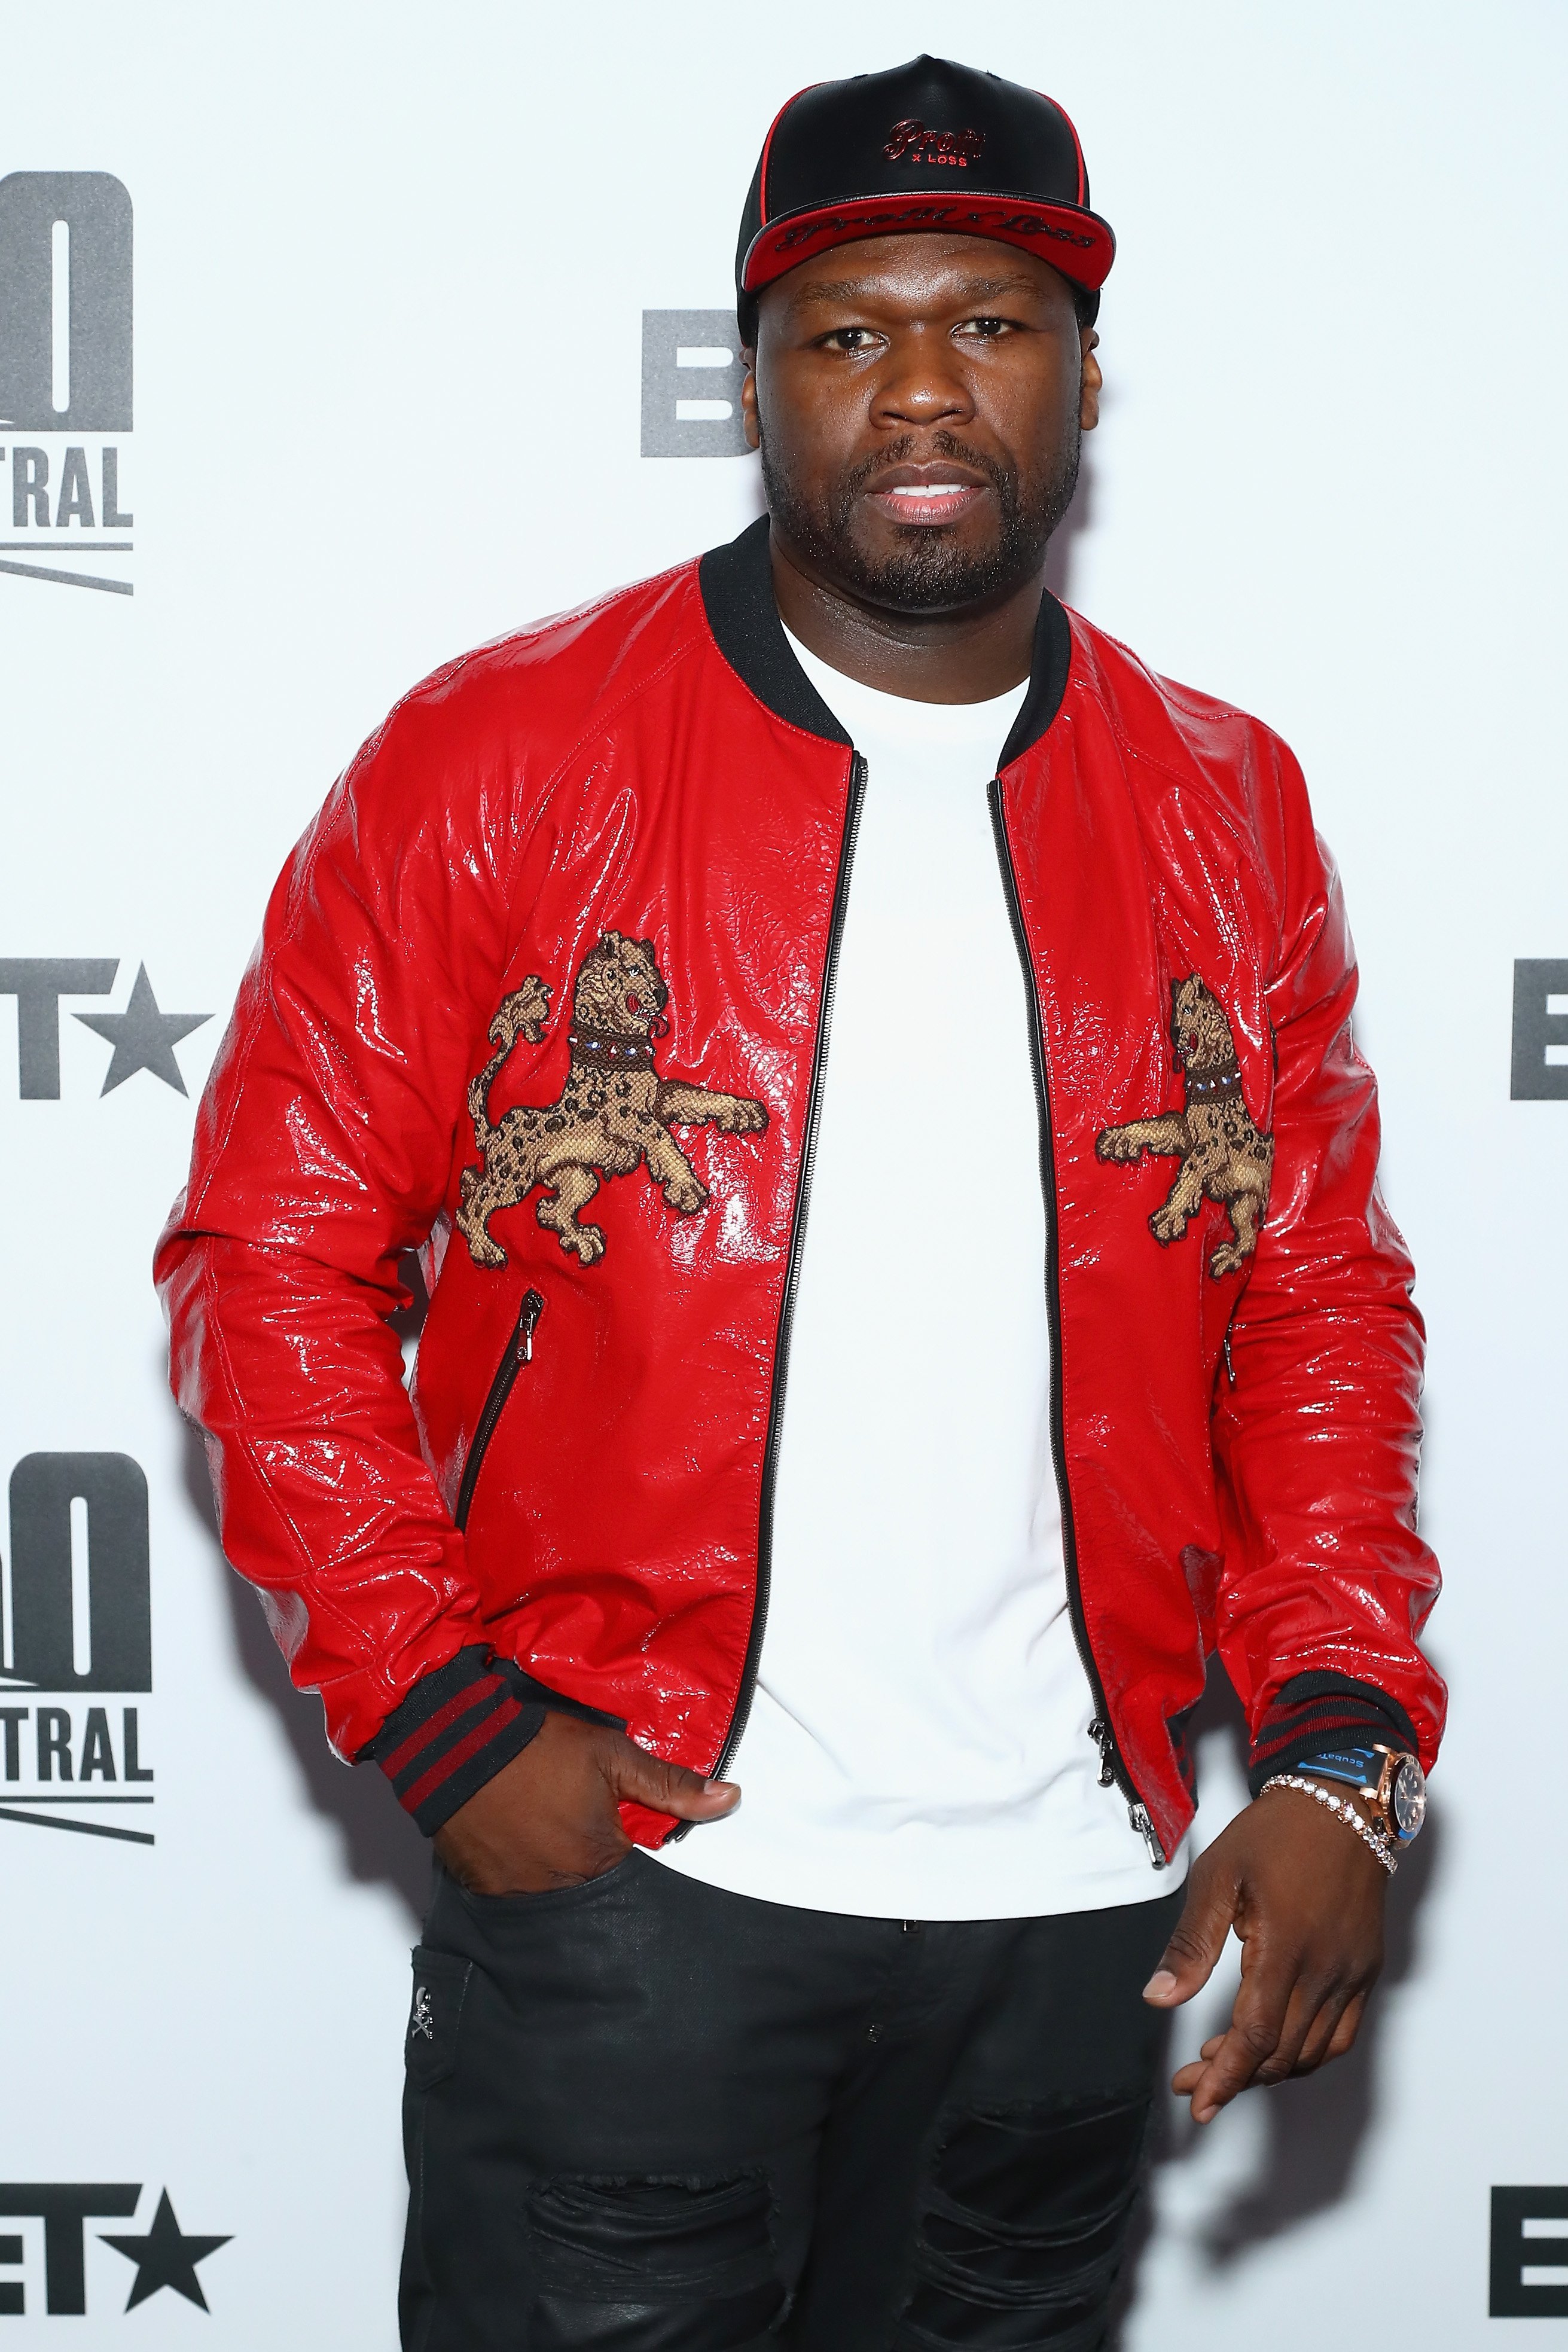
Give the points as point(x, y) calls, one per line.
point(930, 145)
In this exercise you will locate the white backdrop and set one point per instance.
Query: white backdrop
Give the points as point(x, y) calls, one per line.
point(390, 271)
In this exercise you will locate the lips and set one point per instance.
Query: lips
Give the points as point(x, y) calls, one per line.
point(939, 493)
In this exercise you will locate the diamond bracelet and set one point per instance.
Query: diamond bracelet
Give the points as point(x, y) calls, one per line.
point(1341, 1805)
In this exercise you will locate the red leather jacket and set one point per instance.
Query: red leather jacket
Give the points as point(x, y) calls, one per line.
point(567, 927)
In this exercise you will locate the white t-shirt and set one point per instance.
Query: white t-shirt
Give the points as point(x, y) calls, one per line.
point(918, 1746)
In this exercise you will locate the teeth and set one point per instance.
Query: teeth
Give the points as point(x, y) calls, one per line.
point(930, 490)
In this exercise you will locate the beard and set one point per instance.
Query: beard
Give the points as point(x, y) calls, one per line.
point(929, 572)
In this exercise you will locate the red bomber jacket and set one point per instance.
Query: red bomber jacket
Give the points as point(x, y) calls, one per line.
point(545, 994)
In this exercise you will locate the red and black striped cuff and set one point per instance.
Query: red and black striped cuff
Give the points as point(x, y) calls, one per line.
point(453, 1732)
point(1313, 1713)
point(459, 1725)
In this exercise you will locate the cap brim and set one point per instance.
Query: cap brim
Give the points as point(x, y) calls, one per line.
point(1074, 240)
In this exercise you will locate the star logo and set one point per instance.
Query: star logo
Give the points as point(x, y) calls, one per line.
point(142, 1037)
point(166, 2257)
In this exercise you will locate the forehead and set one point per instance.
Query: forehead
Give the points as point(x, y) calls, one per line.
point(917, 271)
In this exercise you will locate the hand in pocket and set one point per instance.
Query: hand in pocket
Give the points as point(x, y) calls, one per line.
point(550, 1818)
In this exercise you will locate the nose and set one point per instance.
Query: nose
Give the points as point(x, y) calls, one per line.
point(922, 383)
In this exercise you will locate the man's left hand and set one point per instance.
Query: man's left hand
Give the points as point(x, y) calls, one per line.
point(1305, 1896)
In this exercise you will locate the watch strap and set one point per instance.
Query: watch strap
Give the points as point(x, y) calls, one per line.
point(1319, 1713)
point(1358, 1768)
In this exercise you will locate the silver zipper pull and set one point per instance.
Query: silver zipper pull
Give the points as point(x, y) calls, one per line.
point(527, 1323)
point(1100, 1734)
point(1145, 1828)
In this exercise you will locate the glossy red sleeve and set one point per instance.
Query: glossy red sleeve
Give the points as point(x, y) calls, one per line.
point(1326, 1582)
point(325, 1146)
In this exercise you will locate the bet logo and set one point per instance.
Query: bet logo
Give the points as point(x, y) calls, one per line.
point(144, 1036)
point(1529, 2254)
point(1539, 1031)
point(52, 2254)
point(692, 377)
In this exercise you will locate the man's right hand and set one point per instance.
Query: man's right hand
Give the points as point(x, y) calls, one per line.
point(549, 1818)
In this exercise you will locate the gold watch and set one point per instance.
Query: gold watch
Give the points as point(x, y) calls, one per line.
point(1389, 1780)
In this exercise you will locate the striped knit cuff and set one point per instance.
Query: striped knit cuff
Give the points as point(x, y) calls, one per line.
point(453, 1732)
point(460, 1725)
point(1313, 1713)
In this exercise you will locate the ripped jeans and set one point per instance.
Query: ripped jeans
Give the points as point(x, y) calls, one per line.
point(645, 2114)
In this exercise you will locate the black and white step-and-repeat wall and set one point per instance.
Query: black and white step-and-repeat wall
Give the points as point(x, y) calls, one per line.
point(335, 338)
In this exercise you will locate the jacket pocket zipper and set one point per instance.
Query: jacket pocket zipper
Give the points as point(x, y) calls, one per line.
point(519, 1350)
point(1113, 1770)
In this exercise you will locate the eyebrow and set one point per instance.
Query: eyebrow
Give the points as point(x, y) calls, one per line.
point(854, 290)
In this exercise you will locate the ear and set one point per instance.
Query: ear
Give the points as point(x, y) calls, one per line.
point(646, 947)
point(751, 422)
point(1091, 382)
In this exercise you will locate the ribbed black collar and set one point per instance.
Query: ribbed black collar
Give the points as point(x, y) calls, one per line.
point(737, 584)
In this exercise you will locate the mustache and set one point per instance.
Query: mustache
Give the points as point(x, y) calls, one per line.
point(924, 573)
point(1003, 479)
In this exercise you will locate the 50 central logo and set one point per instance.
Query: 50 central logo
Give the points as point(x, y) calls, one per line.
point(65, 371)
point(78, 1620)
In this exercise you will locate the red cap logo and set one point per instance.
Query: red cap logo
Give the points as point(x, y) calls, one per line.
point(911, 142)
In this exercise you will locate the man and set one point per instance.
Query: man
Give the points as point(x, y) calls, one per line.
point(1098, 1343)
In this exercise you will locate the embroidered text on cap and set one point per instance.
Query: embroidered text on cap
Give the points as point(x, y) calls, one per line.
point(913, 142)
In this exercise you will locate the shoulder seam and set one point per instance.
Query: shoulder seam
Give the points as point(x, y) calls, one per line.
point(595, 604)
point(529, 633)
point(1191, 699)
point(1131, 750)
point(602, 716)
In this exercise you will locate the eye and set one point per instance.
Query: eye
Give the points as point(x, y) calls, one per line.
point(986, 330)
point(848, 339)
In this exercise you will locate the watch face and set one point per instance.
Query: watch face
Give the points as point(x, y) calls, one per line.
point(1408, 1800)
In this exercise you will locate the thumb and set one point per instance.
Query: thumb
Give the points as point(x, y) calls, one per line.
point(636, 1778)
point(1196, 1941)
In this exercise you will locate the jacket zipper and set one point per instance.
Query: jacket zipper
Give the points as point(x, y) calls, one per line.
point(738, 1721)
point(1112, 1770)
point(519, 1350)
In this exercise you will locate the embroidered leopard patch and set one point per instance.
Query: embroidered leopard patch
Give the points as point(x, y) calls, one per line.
point(615, 1113)
point(1221, 1151)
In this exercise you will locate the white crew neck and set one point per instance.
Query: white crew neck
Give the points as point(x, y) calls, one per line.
point(899, 716)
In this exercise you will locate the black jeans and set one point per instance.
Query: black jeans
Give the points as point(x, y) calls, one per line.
point(644, 2115)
